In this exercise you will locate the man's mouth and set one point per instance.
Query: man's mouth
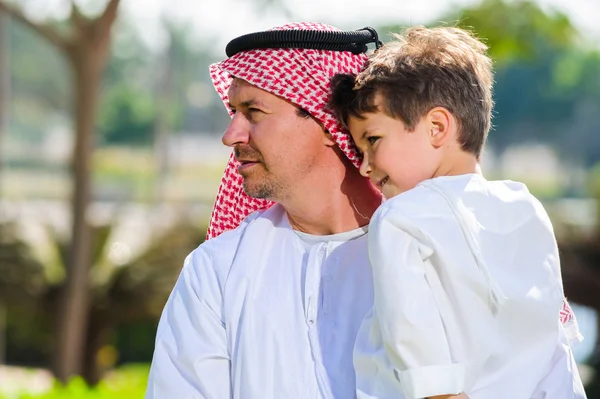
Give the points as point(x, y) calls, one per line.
point(246, 164)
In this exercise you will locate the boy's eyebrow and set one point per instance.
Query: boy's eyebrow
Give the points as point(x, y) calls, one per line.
point(360, 139)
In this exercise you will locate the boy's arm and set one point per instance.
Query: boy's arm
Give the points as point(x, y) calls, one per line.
point(562, 380)
point(461, 396)
point(190, 356)
point(411, 327)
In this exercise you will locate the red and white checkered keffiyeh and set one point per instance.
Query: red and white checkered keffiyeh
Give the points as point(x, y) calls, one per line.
point(300, 76)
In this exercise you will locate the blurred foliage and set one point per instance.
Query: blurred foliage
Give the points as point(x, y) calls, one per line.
point(129, 110)
point(139, 86)
point(594, 179)
point(127, 382)
point(594, 189)
point(517, 30)
point(138, 289)
point(123, 173)
point(21, 274)
point(39, 90)
point(546, 80)
point(127, 299)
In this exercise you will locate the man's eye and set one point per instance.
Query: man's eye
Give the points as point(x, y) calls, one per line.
point(253, 110)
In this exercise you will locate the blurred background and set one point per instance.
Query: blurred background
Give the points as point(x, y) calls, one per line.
point(110, 158)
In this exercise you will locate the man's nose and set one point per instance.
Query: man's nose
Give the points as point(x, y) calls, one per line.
point(237, 132)
point(365, 168)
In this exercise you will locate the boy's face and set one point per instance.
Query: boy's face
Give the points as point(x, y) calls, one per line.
point(394, 158)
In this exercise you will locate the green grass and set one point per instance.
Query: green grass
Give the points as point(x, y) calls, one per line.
point(128, 382)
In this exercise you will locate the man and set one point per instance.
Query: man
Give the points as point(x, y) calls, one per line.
point(271, 308)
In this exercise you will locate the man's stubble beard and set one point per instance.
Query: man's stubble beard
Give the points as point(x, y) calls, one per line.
point(275, 187)
point(264, 187)
point(263, 190)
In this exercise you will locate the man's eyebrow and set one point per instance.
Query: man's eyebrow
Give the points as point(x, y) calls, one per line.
point(248, 104)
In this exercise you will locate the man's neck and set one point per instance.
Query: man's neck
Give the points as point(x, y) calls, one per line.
point(329, 208)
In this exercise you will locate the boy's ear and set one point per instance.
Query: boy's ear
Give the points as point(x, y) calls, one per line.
point(440, 124)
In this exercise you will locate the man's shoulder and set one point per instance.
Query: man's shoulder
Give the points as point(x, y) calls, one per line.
point(222, 248)
point(214, 258)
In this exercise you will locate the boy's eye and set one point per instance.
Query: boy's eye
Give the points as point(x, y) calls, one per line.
point(371, 140)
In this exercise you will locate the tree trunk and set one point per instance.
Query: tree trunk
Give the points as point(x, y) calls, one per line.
point(97, 337)
point(3, 317)
point(4, 101)
point(75, 296)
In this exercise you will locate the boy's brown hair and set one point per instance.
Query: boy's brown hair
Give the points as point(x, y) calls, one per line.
point(422, 69)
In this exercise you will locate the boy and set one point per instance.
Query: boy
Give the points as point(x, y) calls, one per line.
point(466, 271)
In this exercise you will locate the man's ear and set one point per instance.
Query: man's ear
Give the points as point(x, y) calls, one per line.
point(440, 124)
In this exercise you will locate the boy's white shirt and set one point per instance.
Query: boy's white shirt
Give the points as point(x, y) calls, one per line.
point(467, 296)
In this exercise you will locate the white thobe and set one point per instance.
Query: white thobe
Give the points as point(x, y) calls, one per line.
point(467, 292)
point(263, 312)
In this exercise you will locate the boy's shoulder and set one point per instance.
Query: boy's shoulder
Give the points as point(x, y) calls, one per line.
point(435, 198)
point(411, 203)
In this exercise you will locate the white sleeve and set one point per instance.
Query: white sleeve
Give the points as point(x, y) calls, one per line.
point(563, 380)
point(410, 322)
point(190, 357)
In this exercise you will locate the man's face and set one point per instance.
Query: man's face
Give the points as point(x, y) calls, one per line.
point(276, 146)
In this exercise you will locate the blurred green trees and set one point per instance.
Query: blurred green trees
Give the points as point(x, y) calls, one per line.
point(84, 41)
point(139, 86)
point(123, 296)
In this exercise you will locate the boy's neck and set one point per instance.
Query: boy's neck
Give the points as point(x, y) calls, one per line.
point(458, 163)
